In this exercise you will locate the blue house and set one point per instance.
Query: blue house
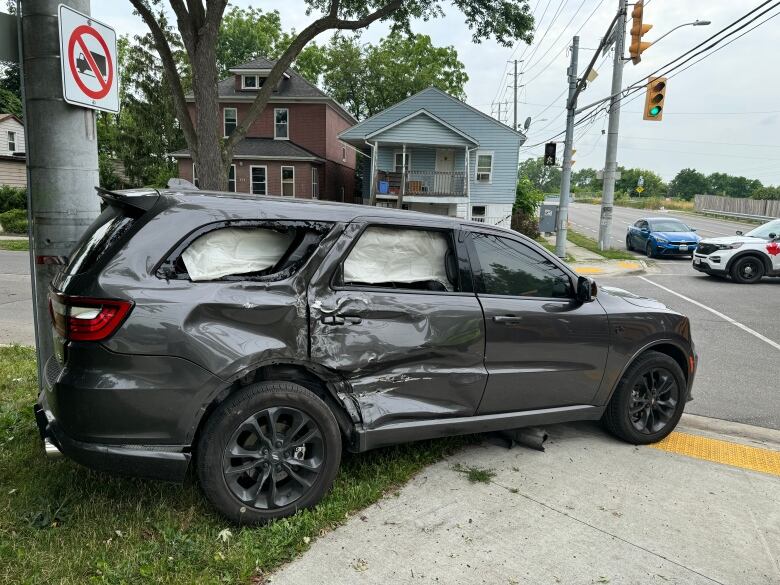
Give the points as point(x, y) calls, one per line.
point(434, 153)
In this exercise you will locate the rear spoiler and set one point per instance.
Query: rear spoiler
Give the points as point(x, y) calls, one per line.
point(135, 199)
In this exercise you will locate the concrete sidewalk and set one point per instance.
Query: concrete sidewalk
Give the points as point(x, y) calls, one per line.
point(588, 510)
point(587, 263)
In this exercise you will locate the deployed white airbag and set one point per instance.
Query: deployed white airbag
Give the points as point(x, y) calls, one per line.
point(234, 251)
point(398, 255)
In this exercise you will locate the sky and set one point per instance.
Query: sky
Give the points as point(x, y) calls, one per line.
point(721, 115)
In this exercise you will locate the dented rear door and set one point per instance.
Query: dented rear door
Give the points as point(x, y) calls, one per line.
point(404, 354)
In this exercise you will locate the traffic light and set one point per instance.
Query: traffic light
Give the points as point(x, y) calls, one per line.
point(638, 30)
point(654, 99)
point(549, 154)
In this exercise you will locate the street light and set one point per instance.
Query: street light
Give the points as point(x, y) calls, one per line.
point(694, 23)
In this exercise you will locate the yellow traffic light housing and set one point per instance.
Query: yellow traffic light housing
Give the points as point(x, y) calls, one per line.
point(638, 30)
point(654, 99)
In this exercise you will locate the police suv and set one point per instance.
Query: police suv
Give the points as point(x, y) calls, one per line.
point(745, 257)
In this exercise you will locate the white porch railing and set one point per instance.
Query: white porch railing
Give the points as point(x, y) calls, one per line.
point(422, 183)
point(502, 221)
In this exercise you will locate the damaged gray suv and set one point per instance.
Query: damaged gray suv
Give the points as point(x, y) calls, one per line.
point(255, 338)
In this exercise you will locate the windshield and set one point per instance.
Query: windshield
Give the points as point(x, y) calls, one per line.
point(773, 227)
point(669, 226)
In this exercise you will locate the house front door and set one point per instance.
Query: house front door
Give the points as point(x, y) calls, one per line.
point(445, 165)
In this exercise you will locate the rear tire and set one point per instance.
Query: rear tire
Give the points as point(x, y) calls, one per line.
point(268, 451)
point(649, 400)
point(747, 270)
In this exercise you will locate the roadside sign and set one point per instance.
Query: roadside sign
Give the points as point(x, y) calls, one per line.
point(88, 60)
point(640, 189)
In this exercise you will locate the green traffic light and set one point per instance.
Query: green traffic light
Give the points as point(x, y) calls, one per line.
point(655, 110)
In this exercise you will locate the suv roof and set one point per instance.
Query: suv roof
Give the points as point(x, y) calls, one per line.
point(245, 206)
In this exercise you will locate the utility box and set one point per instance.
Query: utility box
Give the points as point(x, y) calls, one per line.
point(548, 218)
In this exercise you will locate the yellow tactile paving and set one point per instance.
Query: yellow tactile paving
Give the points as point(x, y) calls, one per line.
point(589, 270)
point(629, 265)
point(734, 454)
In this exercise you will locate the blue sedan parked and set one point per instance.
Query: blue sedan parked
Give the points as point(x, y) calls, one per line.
point(659, 236)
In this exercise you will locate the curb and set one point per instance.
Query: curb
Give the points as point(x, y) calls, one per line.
point(717, 428)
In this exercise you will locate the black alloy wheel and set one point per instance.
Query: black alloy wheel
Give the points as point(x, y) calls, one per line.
point(273, 458)
point(648, 401)
point(268, 450)
point(653, 400)
point(747, 270)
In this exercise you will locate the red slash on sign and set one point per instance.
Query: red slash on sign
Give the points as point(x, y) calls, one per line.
point(103, 75)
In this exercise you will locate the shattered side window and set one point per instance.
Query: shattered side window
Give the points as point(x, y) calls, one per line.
point(235, 251)
point(402, 258)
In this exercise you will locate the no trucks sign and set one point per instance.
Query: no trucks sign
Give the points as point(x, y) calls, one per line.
point(88, 58)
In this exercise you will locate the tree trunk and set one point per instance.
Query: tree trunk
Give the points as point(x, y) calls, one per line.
point(211, 164)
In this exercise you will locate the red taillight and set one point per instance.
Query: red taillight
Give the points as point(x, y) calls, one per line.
point(86, 319)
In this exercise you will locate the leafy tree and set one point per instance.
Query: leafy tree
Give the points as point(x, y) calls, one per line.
point(687, 183)
point(545, 179)
point(654, 185)
point(766, 193)
point(585, 180)
point(369, 78)
point(10, 103)
point(199, 24)
point(527, 197)
point(245, 34)
point(731, 186)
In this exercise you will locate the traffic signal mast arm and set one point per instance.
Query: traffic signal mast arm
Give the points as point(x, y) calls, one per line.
point(589, 68)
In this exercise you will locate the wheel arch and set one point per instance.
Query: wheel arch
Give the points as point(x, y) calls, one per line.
point(326, 385)
point(665, 346)
point(755, 253)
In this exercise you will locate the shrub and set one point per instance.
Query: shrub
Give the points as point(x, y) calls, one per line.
point(12, 198)
point(14, 221)
point(526, 224)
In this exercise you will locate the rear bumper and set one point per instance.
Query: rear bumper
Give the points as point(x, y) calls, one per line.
point(168, 463)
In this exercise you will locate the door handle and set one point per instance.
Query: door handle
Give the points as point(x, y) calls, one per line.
point(340, 320)
point(507, 319)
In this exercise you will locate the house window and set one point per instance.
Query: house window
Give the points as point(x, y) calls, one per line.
point(194, 176)
point(251, 81)
point(11, 141)
point(398, 161)
point(229, 120)
point(232, 179)
point(288, 181)
point(259, 180)
point(484, 167)
point(478, 213)
point(315, 183)
point(281, 123)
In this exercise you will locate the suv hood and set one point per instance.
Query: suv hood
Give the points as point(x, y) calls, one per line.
point(632, 298)
point(678, 236)
point(733, 240)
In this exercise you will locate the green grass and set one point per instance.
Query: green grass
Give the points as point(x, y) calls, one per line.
point(646, 203)
point(61, 523)
point(550, 248)
point(593, 246)
point(15, 245)
point(475, 474)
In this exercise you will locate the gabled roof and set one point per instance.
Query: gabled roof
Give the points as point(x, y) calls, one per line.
point(293, 87)
point(385, 117)
point(265, 148)
point(14, 116)
point(423, 112)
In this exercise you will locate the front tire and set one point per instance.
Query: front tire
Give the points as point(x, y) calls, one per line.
point(747, 270)
point(268, 451)
point(649, 250)
point(629, 245)
point(649, 400)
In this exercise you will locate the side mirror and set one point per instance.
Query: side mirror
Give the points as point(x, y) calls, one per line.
point(739, 232)
point(694, 229)
point(586, 289)
point(772, 236)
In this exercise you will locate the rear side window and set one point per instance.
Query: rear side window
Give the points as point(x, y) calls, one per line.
point(243, 251)
point(401, 258)
point(100, 240)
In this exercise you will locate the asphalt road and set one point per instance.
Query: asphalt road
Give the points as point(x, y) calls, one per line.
point(16, 310)
point(738, 371)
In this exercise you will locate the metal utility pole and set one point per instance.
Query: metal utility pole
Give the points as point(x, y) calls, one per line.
point(571, 105)
point(62, 159)
point(514, 125)
point(610, 165)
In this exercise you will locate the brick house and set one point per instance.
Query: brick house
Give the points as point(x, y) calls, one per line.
point(292, 149)
point(13, 165)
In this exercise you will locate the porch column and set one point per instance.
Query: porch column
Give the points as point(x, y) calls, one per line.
point(373, 174)
point(402, 192)
point(467, 183)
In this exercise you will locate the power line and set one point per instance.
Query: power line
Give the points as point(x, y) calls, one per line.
point(558, 38)
point(558, 12)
